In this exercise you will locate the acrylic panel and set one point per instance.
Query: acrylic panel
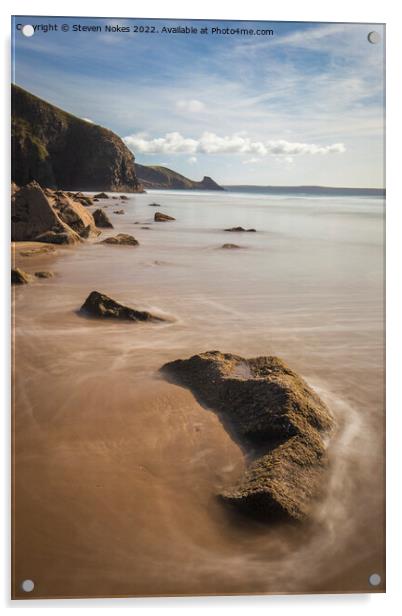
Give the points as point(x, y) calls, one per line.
point(197, 220)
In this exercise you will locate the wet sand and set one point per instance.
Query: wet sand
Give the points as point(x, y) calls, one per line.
point(116, 470)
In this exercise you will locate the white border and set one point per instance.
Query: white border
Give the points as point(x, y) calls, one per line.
point(379, 11)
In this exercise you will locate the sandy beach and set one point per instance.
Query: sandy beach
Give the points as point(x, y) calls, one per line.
point(116, 470)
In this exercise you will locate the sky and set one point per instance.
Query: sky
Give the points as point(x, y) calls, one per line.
point(301, 106)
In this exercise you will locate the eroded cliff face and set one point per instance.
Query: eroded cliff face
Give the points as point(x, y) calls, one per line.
point(60, 150)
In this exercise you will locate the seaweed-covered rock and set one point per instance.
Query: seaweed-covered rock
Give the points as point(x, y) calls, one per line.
point(100, 305)
point(121, 239)
point(275, 416)
point(160, 217)
point(102, 220)
point(18, 276)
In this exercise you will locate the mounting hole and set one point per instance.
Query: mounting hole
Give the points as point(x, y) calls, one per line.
point(27, 585)
point(373, 37)
point(28, 30)
point(374, 579)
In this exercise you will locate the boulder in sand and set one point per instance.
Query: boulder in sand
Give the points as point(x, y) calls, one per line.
point(119, 212)
point(101, 195)
point(123, 197)
point(44, 274)
point(230, 246)
point(240, 230)
point(154, 204)
point(160, 217)
point(101, 306)
point(102, 220)
point(33, 217)
point(18, 276)
point(276, 418)
point(121, 239)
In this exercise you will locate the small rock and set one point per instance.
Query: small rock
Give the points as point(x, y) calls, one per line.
point(101, 219)
point(18, 276)
point(148, 228)
point(154, 204)
point(124, 197)
point(159, 217)
point(241, 229)
point(44, 274)
point(119, 212)
point(121, 239)
point(101, 195)
point(101, 306)
point(230, 246)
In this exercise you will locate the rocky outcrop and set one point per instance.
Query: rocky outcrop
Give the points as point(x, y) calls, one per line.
point(101, 306)
point(240, 230)
point(278, 420)
point(59, 150)
point(18, 276)
point(51, 218)
point(102, 220)
point(121, 239)
point(163, 177)
point(159, 217)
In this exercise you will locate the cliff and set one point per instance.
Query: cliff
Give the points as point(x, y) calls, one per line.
point(163, 177)
point(59, 150)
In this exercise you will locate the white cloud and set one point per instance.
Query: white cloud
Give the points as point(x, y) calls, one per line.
point(192, 106)
point(210, 143)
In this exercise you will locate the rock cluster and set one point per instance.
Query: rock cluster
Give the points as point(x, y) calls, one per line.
point(49, 216)
point(121, 239)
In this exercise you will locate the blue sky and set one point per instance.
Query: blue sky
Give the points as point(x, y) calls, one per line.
point(304, 106)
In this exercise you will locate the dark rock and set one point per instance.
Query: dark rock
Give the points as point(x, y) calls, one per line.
point(119, 212)
point(121, 239)
point(100, 305)
point(159, 217)
point(124, 197)
point(230, 246)
point(240, 229)
point(95, 200)
point(18, 276)
point(44, 274)
point(154, 204)
point(52, 237)
point(277, 419)
point(147, 228)
point(101, 195)
point(101, 219)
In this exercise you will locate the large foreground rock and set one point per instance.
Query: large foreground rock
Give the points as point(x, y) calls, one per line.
point(275, 416)
point(100, 305)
